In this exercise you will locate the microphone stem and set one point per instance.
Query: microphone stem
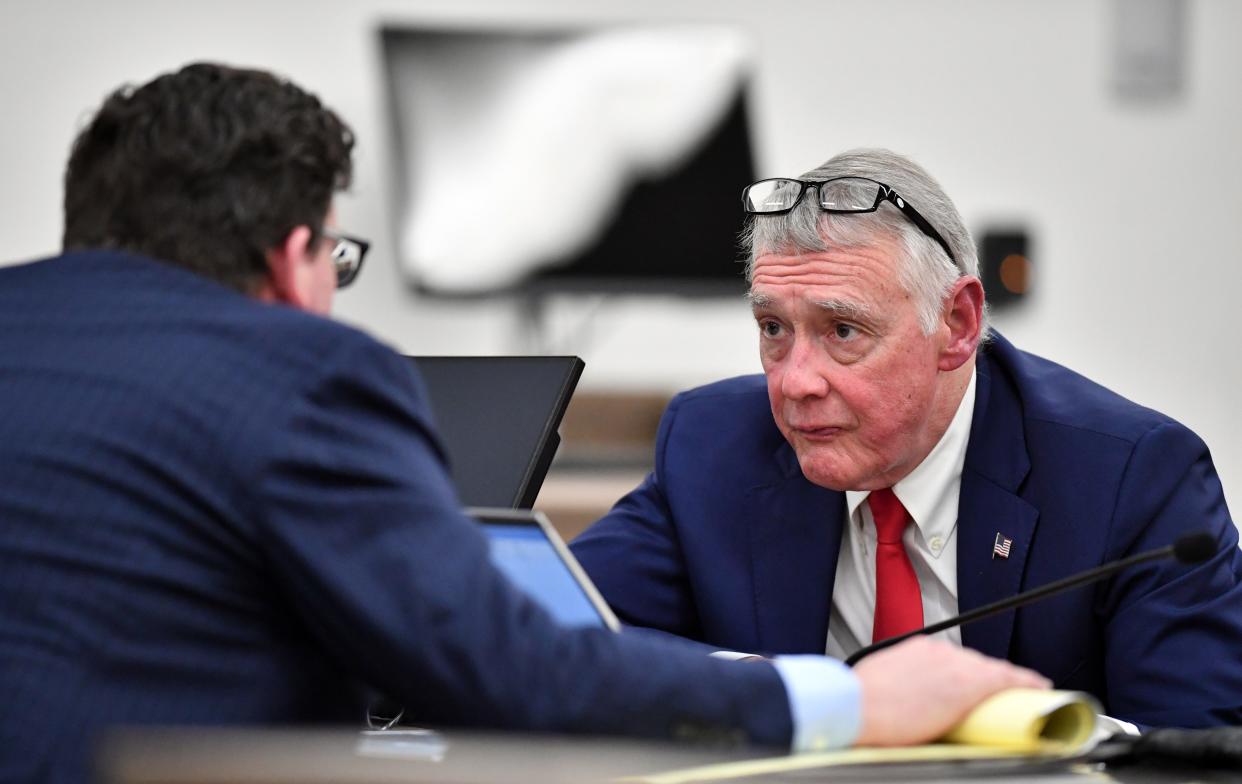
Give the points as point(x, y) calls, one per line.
point(1004, 604)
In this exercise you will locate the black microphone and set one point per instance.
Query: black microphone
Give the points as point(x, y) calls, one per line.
point(1212, 747)
point(1188, 549)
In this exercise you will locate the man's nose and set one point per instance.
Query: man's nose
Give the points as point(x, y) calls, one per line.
point(804, 373)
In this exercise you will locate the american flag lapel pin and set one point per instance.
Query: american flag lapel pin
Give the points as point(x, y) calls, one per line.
point(1000, 548)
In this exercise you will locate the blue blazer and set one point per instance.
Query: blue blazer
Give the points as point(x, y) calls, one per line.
point(726, 542)
point(215, 511)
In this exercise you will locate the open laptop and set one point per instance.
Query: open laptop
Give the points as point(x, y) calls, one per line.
point(497, 418)
point(528, 550)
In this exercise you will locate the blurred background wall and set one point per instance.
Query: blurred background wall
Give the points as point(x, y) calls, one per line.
point(1131, 205)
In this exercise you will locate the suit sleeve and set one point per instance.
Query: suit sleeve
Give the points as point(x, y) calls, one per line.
point(361, 529)
point(1174, 631)
point(634, 557)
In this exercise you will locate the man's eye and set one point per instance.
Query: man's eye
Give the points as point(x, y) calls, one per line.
point(845, 331)
point(770, 329)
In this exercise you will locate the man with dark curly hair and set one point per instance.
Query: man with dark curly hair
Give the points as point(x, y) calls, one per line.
point(219, 507)
point(209, 168)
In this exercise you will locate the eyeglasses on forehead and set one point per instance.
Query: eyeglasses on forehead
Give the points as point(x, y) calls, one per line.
point(838, 195)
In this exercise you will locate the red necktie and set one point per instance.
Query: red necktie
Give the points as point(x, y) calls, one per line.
point(898, 601)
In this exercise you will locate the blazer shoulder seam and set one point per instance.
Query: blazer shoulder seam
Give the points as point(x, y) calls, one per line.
point(1131, 440)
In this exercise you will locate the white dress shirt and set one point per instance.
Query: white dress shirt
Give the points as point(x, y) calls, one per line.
point(930, 494)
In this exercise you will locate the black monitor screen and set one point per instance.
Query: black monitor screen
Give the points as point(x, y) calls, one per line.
point(497, 418)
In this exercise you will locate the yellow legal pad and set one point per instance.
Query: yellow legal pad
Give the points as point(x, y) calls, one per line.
point(1012, 723)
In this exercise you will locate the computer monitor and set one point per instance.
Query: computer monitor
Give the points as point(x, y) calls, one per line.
point(527, 549)
point(497, 418)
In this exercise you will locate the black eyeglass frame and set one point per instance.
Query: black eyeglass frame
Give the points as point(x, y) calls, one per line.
point(346, 276)
point(883, 193)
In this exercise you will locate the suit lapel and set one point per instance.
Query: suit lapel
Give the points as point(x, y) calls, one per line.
point(989, 504)
point(984, 511)
point(795, 536)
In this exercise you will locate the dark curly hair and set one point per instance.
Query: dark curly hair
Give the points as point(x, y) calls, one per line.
point(206, 168)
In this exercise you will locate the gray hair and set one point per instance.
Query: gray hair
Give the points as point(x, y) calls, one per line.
point(924, 270)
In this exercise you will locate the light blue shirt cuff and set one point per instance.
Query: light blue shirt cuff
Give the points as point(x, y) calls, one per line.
point(825, 701)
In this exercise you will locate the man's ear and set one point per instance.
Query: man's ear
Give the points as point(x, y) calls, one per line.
point(963, 317)
point(289, 269)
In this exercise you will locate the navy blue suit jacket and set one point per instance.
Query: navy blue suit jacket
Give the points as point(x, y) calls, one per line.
point(726, 542)
point(216, 511)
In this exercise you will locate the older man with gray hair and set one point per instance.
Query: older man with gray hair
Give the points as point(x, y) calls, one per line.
point(898, 463)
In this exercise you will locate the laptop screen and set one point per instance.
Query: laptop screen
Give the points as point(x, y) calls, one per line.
point(530, 553)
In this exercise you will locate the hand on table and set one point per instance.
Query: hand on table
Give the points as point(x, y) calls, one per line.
point(915, 691)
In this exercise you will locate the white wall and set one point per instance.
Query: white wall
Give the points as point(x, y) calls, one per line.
point(1008, 103)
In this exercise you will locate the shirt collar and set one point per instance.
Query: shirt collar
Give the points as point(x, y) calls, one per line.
point(925, 488)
